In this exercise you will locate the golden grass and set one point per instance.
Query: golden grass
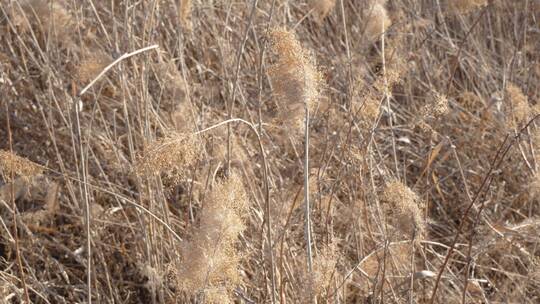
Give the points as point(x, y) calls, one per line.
point(12, 165)
point(295, 78)
point(417, 111)
point(210, 260)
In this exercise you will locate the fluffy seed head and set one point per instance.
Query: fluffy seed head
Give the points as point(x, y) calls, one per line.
point(517, 107)
point(324, 265)
point(12, 164)
point(403, 205)
point(210, 258)
point(321, 8)
point(171, 155)
point(295, 77)
point(377, 21)
point(435, 108)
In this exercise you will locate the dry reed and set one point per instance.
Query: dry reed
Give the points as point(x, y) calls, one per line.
point(404, 208)
point(14, 165)
point(172, 155)
point(321, 8)
point(377, 20)
point(210, 260)
point(417, 98)
point(295, 78)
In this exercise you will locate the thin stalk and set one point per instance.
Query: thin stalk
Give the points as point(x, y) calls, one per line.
point(387, 99)
point(84, 173)
point(86, 200)
point(306, 194)
point(15, 218)
point(235, 84)
point(112, 64)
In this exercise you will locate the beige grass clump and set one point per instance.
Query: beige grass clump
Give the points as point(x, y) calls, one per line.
point(404, 208)
point(466, 6)
point(377, 21)
point(174, 84)
point(517, 107)
point(210, 259)
point(321, 8)
point(91, 65)
point(435, 109)
point(50, 17)
point(398, 253)
point(171, 155)
point(295, 78)
point(368, 112)
point(324, 270)
point(12, 164)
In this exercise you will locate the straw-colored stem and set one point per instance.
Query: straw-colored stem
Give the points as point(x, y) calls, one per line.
point(306, 193)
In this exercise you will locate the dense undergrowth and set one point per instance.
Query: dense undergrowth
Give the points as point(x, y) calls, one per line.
point(179, 174)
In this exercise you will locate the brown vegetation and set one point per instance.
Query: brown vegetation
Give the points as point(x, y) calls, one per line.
point(151, 151)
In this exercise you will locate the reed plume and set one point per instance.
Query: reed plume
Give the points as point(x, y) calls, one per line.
point(321, 8)
point(404, 207)
point(12, 164)
point(295, 78)
point(377, 20)
point(210, 258)
point(517, 108)
point(172, 155)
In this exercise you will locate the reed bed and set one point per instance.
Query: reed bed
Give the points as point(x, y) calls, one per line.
point(271, 151)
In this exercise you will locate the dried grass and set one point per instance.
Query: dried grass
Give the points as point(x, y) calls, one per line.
point(321, 8)
point(377, 20)
point(466, 6)
point(517, 108)
point(172, 155)
point(396, 146)
point(90, 66)
point(295, 78)
point(404, 207)
point(16, 166)
point(50, 18)
point(184, 13)
point(210, 260)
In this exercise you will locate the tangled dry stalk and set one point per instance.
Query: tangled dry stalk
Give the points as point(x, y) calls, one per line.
point(198, 151)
